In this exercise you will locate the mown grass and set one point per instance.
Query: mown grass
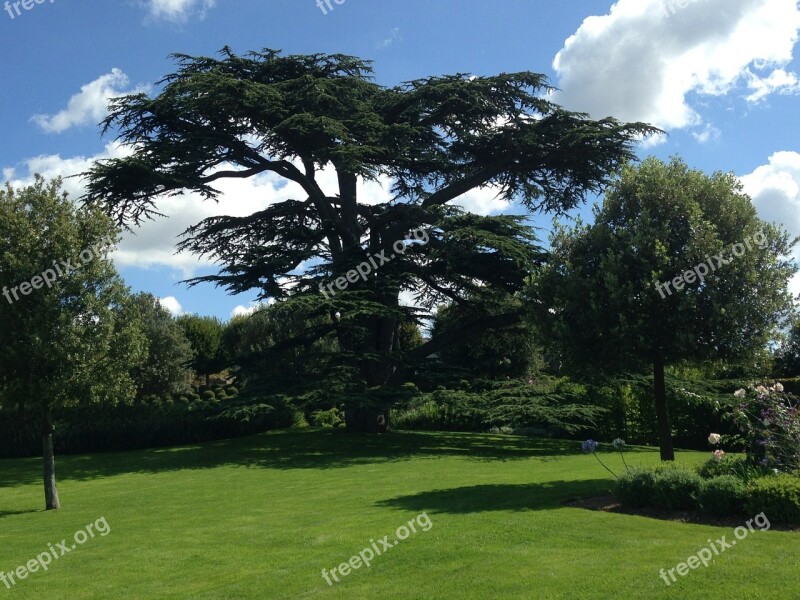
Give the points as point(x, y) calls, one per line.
point(260, 517)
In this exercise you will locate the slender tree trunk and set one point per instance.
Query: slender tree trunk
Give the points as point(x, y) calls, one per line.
point(48, 458)
point(662, 411)
point(21, 442)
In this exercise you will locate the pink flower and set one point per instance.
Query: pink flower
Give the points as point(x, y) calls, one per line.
point(719, 454)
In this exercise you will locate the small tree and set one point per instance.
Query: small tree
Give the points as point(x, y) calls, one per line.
point(788, 355)
point(66, 332)
point(498, 354)
point(164, 370)
point(204, 335)
point(676, 267)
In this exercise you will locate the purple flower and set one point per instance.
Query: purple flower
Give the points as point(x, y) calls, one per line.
point(589, 446)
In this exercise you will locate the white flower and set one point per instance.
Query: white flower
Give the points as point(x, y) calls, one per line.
point(714, 439)
point(762, 391)
point(778, 387)
point(740, 393)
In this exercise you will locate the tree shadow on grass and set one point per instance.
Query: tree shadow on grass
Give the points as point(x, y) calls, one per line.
point(498, 497)
point(291, 449)
point(11, 513)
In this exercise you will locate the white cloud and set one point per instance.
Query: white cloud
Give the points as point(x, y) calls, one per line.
point(242, 310)
point(778, 81)
point(394, 36)
point(172, 305)
point(775, 190)
point(90, 105)
point(178, 10)
point(708, 133)
point(646, 59)
point(482, 201)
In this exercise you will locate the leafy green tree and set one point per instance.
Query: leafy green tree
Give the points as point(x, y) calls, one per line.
point(497, 354)
point(164, 370)
point(204, 335)
point(67, 335)
point(274, 354)
point(435, 139)
point(788, 355)
point(613, 289)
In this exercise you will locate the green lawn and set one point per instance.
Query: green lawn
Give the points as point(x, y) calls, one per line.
point(261, 517)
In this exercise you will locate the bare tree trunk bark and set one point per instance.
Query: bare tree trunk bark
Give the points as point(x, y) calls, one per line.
point(48, 459)
point(21, 442)
point(662, 412)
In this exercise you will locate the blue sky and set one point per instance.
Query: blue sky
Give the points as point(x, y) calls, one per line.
point(719, 75)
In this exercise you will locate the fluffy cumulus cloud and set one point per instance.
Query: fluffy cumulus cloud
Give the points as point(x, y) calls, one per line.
point(652, 60)
point(90, 105)
point(244, 311)
point(775, 190)
point(172, 305)
point(178, 10)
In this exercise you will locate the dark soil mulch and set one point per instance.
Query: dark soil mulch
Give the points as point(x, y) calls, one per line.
point(608, 504)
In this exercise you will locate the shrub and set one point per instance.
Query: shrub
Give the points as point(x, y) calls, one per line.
point(232, 390)
point(298, 420)
point(722, 496)
point(209, 395)
point(326, 418)
point(739, 467)
point(769, 421)
point(505, 430)
point(778, 497)
point(676, 489)
point(635, 488)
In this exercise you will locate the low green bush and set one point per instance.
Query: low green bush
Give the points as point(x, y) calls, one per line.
point(778, 497)
point(327, 418)
point(722, 496)
point(635, 487)
point(737, 466)
point(209, 395)
point(675, 488)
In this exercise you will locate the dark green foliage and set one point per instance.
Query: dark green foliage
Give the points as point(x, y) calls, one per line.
point(787, 362)
point(436, 138)
point(483, 404)
point(737, 466)
point(722, 496)
point(204, 335)
point(675, 488)
point(508, 352)
point(327, 418)
point(635, 488)
point(102, 428)
point(208, 395)
point(778, 497)
point(164, 370)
